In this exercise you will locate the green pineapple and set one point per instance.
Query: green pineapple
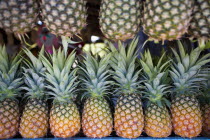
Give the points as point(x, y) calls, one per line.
point(65, 17)
point(200, 24)
point(97, 119)
point(10, 84)
point(166, 19)
point(34, 120)
point(18, 16)
point(62, 79)
point(128, 116)
point(120, 19)
point(157, 117)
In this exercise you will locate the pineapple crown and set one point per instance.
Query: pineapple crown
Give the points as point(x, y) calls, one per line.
point(186, 70)
point(34, 75)
point(156, 79)
point(125, 72)
point(10, 81)
point(62, 79)
point(94, 74)
point(204, 97)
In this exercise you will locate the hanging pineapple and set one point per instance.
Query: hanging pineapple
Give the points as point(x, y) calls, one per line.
point(166, 19)
point(120, 19)
point(157, 117)
point(97, 119)
point(186, 77)
point(10, 84)
point(65, 17)
point(62, 79)
point(200, 24)
point(18, 16)
point(34, 120)
point(128, 116)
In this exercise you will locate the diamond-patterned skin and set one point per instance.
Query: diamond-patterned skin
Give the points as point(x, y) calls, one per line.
point(120, 19)
point(97, 121)
point(18, 15)
point(9, 118)
point(66, 17)
point(64, 120)
point(186, 116)
point(157, 121)
point(200, 24)
point(128, 116)
point(206, 120)
point(34, 121)
point(166, 19)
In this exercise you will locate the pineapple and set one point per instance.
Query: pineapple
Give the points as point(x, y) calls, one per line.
point(166, 19)
point(205, 105)
point(157, 117)
point(200, 24)
point(34, 120)
point(65, 17)
point(128, 116)
point(97, 119)
point(120, 19)
point(10, 84)
point(62, 79)
point(18, 16)
point(186, 76)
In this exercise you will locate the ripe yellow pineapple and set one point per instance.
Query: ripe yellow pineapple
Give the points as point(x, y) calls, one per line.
point(18, 15)
point(166, 19)
point(62, 79)
point(120, 19)
point(34, 120)
point(10, 84)
point(185, 108)
point(128, 116)
point(157, 117)
point(97, 119)
point(65, 17)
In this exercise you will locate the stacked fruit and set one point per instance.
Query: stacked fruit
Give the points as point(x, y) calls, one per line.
point(154, 95)
point(59, 77)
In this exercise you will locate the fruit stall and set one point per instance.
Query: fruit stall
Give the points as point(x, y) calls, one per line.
point(104, 69)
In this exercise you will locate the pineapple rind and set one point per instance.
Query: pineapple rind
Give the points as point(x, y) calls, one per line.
point(166, 19)
point(200, 24)
point(128, 116)
point(64, 120)
point(66, 17)
point(97, 121)
point(9, 118)
point(186, 116)
point(120, 19)
point(157, 121)
point(18, 16)
point(34, 120)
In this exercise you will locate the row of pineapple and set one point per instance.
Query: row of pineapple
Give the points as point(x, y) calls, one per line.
point(170, 87)
point(119, 19)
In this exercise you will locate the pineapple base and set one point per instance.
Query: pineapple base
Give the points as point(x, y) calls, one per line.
point(97, 121)
point(34, 121)
point(64, 120)
point(9, 118)
point(128, 117)
point(157, 121)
